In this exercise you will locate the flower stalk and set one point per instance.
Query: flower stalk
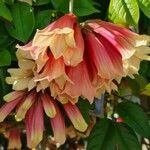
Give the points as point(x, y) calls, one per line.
point(71, 6)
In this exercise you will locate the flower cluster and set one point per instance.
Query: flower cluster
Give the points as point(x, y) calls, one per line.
point(66, 61)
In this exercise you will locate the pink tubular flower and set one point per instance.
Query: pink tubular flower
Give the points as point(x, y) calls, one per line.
point(63, 63)
point(112, 52)
point(30, 106)
point(66, 32)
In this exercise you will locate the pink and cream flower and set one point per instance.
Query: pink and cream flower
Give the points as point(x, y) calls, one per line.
point(112, 52)
point(30, 107)
point(61, 64)
point(64, 31)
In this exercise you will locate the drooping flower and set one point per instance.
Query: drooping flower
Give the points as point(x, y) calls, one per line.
point(112, 52)
point(30, 106)
point(56, 69)
point(31, 102)
point(32, 99)
point(64, 31)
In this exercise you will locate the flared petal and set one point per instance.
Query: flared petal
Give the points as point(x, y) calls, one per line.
point(14, 139)
point(74, 55)
point(105, 85)
point(82, 85)
point(67, 20)
point(34, 125)
point(48, 105)
point(29, 52)
point(75, 116)
point(34, 50)
point(7, 108)
point(42, 85)
point(58, 36)
point(64, 39)
point(142, 52)
point(53, 69)
point(26, 64)
point(23, 54)
point(19, 73)
point(50, 35)
point(31, 84)
point(58, 127)
point(24, 106)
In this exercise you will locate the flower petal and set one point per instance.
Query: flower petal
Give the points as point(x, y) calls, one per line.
point(82, 85)
point(13, 95)
point(58, 127)
point(53, 69)
point(104, 56)
point(21, 84)
point(26, 64)
point(74, 55)
point(7, 108)
point(48, 105)
point(75, 116)
point(34, 125)
point(64, 39)
point(24, 106)
point(120, 37)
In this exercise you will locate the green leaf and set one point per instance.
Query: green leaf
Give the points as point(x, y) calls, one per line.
point(108, 135)
point(5, 38)
point(23, 22)
point(85, 107)
point(135, 117)
point(124, 12)
point(82, 8)
point(136, 84)
point(4, 11)
point(4, 88)
point(102, 136)
point(126, 138)
point(146, 90)
point(42, 2)
point(9, 2)
point(145, 7)
point(5, 58)
point(43, 18)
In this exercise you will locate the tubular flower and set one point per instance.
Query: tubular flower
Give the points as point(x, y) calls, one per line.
point(32, 99)
point(64, 31)
point(55, 69)
point(112, 52)
point(30, 106)
point(57, 52)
